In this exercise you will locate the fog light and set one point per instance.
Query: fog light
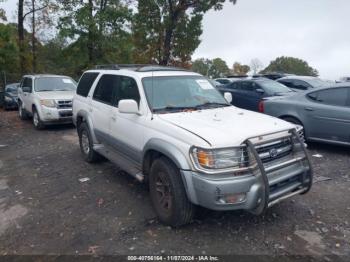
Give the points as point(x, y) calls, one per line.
point(232, 198)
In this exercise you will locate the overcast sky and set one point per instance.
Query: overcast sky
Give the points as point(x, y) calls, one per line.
point(314, 30)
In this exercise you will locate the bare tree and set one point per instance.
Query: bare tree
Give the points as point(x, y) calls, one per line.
point(256, 65)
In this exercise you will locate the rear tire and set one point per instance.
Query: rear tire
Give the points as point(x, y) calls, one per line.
point(21, 112)
point(168, 194)
point(38, 124)
point(86, 144)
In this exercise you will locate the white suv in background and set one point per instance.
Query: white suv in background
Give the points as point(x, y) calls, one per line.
point(172, 128)
point(46, 98)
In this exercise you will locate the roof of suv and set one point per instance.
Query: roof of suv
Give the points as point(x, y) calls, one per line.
point(43, 75)
point(142, 70)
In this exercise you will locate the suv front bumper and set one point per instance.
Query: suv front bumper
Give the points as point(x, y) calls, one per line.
point(255, 191)
point(53, 115)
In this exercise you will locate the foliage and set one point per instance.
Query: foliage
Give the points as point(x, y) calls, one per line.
point(99, 28)
point(290, 65)
point(239, 69)
point(212, 68)
point(167, 32)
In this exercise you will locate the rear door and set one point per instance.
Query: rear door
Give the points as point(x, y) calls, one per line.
point(27, 96)
point(102, 104)
point(250, 98)
point(329, 114)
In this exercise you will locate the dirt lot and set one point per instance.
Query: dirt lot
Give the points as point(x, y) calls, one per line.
point(45, 209)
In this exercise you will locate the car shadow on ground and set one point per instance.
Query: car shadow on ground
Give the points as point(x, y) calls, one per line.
point(329, 148)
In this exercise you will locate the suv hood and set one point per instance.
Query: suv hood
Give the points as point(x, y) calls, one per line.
point(228, 126)
point(57, 95)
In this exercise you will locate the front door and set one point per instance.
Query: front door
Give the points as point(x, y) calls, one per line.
point(127, 130)
point(329, 114)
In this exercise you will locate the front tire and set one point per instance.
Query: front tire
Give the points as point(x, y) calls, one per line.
point(38, 124)
point(86, 144)
point(168, 194)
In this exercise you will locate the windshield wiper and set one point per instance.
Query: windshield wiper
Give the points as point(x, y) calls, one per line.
point(211, 104)
point(173, 108)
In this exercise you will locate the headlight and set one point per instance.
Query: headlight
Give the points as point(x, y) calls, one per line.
point(8, 99)
point(48, 102)
point(213, 159)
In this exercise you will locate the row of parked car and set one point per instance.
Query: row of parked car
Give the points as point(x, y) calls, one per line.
point(174, 130)
point(322, 108)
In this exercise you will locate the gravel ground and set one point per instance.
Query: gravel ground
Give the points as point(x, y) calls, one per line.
point(46, 209)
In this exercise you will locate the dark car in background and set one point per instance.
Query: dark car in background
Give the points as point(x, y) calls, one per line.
point(324, 113)
point(302, 83)
point(248, 93)
point(11, 96)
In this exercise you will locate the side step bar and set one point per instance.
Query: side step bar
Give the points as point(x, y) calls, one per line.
point(121, 161)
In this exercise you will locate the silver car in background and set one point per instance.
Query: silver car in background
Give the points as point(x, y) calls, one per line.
point(324, 113)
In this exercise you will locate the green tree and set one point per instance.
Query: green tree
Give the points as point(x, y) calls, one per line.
point(218, 68)
point(290, 65)
point(202, 66)
point(8, 50)
point(239, 69)
point(100, 27)
point(168, 31)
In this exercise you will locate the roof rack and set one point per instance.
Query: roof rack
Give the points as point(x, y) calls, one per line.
point(139, 67)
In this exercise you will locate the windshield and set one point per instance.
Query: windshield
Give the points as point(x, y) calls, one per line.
point(274, 87)
point(54, 84)
point(181, 93)
point(316, 82)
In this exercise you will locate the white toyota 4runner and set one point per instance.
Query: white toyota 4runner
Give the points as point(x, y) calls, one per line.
point(46, 98)
point(173, 129)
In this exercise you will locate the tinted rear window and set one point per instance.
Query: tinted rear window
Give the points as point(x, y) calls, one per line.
point(85, 83)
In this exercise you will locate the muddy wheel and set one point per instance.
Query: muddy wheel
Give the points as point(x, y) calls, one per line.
point(168, 194)
point(38, 124)
point(86, 144)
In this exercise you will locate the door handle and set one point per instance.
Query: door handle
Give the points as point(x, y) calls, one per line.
point(309, 109)
point(114, 118)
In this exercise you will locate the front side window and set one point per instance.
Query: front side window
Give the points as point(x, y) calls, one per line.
point(27, 82)
point(336, 96)
point(105, 89)
point(127, 89)
point(43, 84)
point(181, 92)
point(301, 85)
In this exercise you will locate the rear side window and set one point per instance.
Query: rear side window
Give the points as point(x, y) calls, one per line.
point(85, 83)
point(105, 89)
point(336, 97)
point(127, 90)
point(298, 84)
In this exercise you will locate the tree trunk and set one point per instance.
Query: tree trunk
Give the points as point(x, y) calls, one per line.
point(90, 44)
point(33, 39)
point(174, 16)
point(20, 29)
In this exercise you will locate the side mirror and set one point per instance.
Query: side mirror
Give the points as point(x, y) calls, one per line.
point(128, 106)
point(26, 89)
point(260, 91)
point(228, 97)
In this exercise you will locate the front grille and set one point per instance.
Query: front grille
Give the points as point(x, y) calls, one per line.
point(274, 150)
point(284, 163)
point(65, 113)
point(64, 104)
